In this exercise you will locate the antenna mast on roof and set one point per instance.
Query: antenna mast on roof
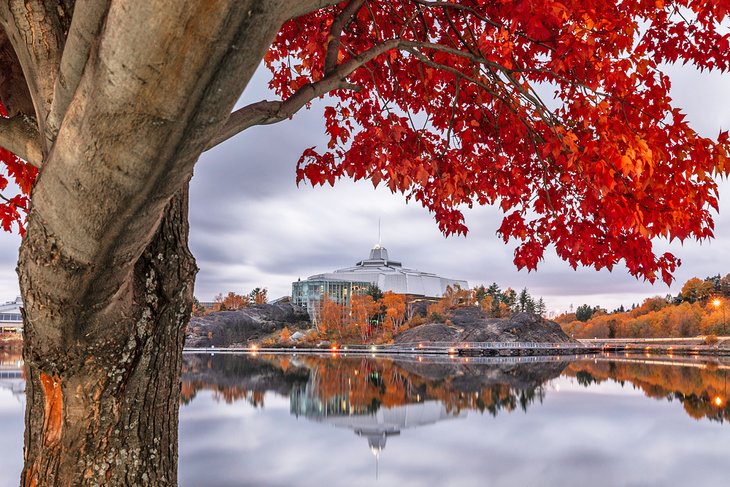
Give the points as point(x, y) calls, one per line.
point(379, 241)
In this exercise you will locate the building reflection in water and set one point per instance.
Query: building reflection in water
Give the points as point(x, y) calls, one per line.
point(12, 376)
point(374, 398)
point(345, 390)
point(376, 424)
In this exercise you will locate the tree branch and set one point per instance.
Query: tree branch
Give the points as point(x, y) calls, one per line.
point(35, 28)
point(20, 136)
point(297, 8)
point(268, 112)
point(13, 87)
point(85, 26)
point(340, 22)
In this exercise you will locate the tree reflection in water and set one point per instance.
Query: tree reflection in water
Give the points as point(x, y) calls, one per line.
point(701, 387)
point(357, 385)
point(378, 398)
point(345, 386)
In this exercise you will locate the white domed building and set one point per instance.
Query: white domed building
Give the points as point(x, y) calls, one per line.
point(377, 270)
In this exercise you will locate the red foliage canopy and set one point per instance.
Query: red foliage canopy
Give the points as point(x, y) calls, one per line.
point(444, 102)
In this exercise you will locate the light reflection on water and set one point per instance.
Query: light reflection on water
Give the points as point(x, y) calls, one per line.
point(283, 420)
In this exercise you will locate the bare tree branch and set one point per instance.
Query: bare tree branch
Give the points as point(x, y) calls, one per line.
point(20, 136)
point(268, 112)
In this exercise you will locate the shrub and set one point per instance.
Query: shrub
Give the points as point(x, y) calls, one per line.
point(436, 317)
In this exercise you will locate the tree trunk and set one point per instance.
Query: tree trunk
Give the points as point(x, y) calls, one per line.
point(126, 100)
point(102, 407)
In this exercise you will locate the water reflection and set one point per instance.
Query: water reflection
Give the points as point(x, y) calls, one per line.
point(12, 377)
point(326, 386)
point(12, 408)
point(308, 420)
point(452, 422)
point(701, 388)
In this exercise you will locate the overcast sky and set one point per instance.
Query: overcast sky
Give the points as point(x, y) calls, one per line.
point(251, 226)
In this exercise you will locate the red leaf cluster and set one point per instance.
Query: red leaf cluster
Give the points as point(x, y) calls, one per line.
point(13, 209)
point(453, 112)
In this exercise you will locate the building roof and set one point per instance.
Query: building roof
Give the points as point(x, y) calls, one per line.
point(12, 306)
point(390, 421)
point(390, 275)
point(10, 316)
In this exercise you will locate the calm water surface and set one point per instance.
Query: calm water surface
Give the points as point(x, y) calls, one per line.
point(306, 420)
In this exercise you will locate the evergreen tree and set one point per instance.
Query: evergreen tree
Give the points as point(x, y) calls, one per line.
point(496, 294)
point(583, 313)
point(374, 292)
point(494, 291)
point(480, 293)
point(525, 303)
point(541, 308)
point(725, 286)
point(509, 297)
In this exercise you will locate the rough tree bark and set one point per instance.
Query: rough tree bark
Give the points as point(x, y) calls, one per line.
point(103, 409)
point(114, 102)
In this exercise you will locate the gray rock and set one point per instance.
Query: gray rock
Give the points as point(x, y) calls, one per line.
point(471, 324)
point(237, 328)
point(296, 336)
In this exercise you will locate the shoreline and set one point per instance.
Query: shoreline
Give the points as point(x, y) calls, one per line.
point(489, 350)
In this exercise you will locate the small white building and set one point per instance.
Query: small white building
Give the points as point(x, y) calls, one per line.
point(10, 316)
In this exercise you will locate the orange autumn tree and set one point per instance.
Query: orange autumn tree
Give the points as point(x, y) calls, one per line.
point(258, 295)
point(696, 289)
point(285, 335)
point(443, 101)
point(363, 307)
point(331, 317)
point(231, 302)
point(395, 309)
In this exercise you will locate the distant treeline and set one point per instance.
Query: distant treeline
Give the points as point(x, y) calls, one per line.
point(699, 309)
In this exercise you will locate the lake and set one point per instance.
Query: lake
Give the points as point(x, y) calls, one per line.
point(284, 420)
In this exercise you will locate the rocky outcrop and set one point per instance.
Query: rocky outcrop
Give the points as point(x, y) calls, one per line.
point(468, 324)
point(237, 328)
point(471, 324)
point(476, 377)
point(245, 372)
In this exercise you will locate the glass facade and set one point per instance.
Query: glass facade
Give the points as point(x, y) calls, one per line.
point(308, 294)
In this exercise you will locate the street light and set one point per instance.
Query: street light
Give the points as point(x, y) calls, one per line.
point(717, 302)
